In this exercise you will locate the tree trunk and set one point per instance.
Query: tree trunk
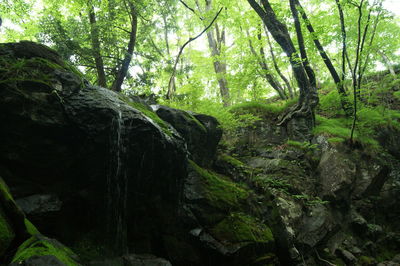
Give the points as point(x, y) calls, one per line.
point(301, 116)
point(215, 44)
point(95, 38)
point(277, 69)
point(266, 71)
point(173, 84)
point(338, 81)
point(302, 48)
point(123, 69)
point(387, 63)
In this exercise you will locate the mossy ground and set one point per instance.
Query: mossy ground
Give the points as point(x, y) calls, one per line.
point(263, 109)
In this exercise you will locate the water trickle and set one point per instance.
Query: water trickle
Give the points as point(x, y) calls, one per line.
point(117, 182)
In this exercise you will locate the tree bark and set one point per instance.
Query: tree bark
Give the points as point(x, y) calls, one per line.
point(303, 112)
point(300, 119)
point(300, 41)
point(328, 63)
point(170, 91)
point(215, 44)
point(266, 70)
point(123, 69)
point(387, 62)
point(277, 69)
point(95, 39)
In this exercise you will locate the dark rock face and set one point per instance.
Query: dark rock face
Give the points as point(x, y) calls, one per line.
point(201, 132)
point(324, 198)
point(81, 143)
point(40, 261)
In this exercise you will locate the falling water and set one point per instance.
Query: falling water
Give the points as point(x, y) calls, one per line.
point(117, 187)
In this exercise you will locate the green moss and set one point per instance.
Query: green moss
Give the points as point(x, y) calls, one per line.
point(305, 146)
point(150, 114)
point(220, 192)
point(194, 119)
point(385, 253)
point(31, 228)
point(232, 161)
point(6, 232)
point(366, 261)
point(336, 140)
point(262, 109)
point(239, 227)
point(41, 247)
point(32, 69)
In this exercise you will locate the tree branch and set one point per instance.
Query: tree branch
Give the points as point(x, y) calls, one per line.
point(170, 92)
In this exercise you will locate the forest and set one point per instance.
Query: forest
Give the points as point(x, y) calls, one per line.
point(206, 55)
point(199, 132)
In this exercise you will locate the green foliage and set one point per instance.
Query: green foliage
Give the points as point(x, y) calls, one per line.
point(229, 121)
point(397, 94)
point(263, 109)
point(330, 104)
point(305, 146)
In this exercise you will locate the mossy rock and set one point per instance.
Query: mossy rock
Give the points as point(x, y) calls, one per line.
point(42, 246)
point(6, 233)
point(219, 191)
point(240, 227)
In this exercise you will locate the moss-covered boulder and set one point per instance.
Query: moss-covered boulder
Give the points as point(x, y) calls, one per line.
point(224, 219)
point(84, 144)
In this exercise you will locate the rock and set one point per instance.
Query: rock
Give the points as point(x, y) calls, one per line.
point(37, 260)
point(39, 204)
point(144, 260)
point(201, 132)
point(316, 225)
point(83, 144)
point(132, 260)
point(337, 174)
point(347, 257)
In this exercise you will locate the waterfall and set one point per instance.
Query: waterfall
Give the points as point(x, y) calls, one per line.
point(117, 182)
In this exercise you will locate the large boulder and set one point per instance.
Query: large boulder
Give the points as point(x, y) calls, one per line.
point(201, 132)
point(103, 156)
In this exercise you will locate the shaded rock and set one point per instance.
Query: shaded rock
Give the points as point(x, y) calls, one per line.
point(144, 260)
point(103, 156)
point(201, 132)
point(347, 256)
point(316, 225)
point(39, 204)
point(37, 260)
point(337, 173)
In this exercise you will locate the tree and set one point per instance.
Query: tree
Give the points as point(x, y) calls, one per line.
point(303, 112)
point(216, 43)
point(111, 51)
